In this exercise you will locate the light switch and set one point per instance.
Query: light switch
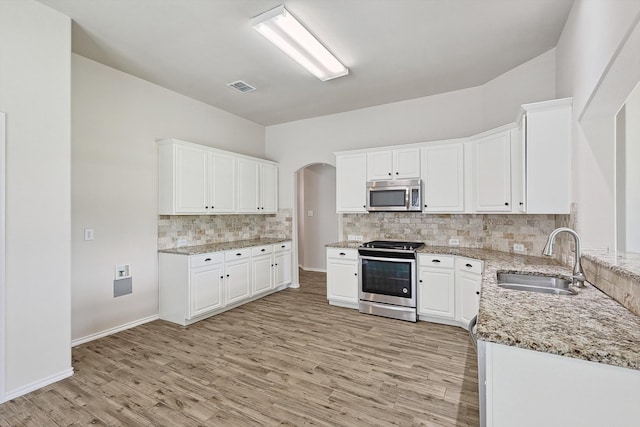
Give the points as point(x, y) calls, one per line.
point(309, 213)
point(88, 234)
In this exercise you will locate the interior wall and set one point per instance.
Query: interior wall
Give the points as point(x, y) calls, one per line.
point(632, 175)
point(321, 227)
point(450, 115)
point(596, 60)
point(116, 121)
point(35, 79)
point(300, 214)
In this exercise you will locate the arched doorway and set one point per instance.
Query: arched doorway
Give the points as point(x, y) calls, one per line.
point(315, 217)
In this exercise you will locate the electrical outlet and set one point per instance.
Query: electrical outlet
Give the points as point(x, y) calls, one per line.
point(454, 242)
point(351, 237)
point(359, 238)
point(181, 242)
point(517, 247)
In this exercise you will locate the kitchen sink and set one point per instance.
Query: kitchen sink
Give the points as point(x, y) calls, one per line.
point(534, 283)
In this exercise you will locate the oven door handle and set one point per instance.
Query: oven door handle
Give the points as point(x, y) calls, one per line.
point(472, 333)
point(387, 258)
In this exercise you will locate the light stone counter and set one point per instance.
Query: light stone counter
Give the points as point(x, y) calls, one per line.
point(590, 325)
point(217, 247)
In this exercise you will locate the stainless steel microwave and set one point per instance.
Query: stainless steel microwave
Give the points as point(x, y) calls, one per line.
point(399, 195)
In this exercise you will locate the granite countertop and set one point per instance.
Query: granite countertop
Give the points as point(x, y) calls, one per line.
point(590, 325)
point(624, 263)
point(217, 247)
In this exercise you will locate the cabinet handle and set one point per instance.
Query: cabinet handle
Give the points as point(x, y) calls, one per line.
point(468, 265)
point(238, 254)
point(397, 173)
point(506, 203)
point(425, 206)
point(355, 274)
point(389, 173)
point(227, 275)
point(435, 260)
point(342, 254)
point(521, 203)
point(262, 250)
point(420, 280)
point(276, 263)
point(222, 277)
point(207, 259)
point(212, 207)
point(477, 292)
point(282, 246)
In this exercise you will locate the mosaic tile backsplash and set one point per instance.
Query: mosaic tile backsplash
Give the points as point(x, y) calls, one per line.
point(497, 232)
point(207, 229)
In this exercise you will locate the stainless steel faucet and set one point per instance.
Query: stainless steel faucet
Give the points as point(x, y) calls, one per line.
point(578, 275)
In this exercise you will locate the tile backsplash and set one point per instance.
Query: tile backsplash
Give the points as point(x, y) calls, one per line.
point(491, 231)
point(206, 229)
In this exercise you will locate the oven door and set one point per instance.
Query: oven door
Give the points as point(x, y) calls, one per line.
point(387, 280)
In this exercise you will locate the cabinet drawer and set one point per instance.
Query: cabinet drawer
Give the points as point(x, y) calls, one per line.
point(435, 261)
point(283, 246)
point(237, 254)
point(261, 250)
point(340, 253)
point(205, 259)
point(470, 265)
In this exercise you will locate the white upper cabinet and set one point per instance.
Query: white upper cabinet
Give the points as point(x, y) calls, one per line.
point(546, 129)
point(183, 180)
point(195, 180)
point(492, 172)
point(248, 186)
point(222, 197)
point(351, 182)
point(393, 164)
point(443, 177)
point(268, 188)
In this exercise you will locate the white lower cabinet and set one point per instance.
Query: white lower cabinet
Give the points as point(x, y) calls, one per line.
point(207, 285)
point(282, 261)
point(527, 388)
point(342, 277)
point(468, 281)
point(448, 288)
point(262, 269)
point(436, 287)
point(197, 286)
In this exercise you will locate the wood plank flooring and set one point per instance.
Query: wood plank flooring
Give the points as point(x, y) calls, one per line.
point(287, 359)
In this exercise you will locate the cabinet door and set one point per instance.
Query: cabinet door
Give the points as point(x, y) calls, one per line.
point(222, 184)
point(342, 281)
point(248, 180)
point(269, 188)
point(191, 177)
point(443, 178)
point(518, 191)
point(261, 272)
point(406, 163)
point(436, 292)
point(492, 166)
point(206, 289)
point(548, 154)
point(379, 165)
point(238, 281)
point(282, 267)
point(469, 298)
point(351, 183)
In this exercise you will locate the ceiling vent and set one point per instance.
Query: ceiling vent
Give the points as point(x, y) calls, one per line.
point(241, 86)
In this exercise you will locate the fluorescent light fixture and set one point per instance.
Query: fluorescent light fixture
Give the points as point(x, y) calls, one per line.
point(283, 29)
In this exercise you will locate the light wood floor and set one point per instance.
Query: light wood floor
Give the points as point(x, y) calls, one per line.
point(287, 359)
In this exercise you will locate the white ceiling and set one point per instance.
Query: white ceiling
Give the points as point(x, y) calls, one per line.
point(395, 49)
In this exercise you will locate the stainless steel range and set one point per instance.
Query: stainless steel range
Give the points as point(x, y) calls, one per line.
point(387, 278)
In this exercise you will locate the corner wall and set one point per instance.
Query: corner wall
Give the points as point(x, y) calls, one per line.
point(597, 65)
point(116, 121)
point(35, 87)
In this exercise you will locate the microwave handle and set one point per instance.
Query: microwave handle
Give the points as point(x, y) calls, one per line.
point(407, 198)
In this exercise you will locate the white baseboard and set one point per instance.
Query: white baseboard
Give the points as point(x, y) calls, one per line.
point(38, 384)
point(111, 331)
point(294, 285)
